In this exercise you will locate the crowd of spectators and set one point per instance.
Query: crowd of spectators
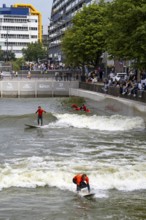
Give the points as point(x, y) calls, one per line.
point(128, 85)
point(42, 66)
point(39, 66)
point(60, 72)
point(95, 76)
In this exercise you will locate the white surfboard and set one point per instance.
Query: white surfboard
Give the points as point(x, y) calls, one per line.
point(89, 195)
point(86, 195)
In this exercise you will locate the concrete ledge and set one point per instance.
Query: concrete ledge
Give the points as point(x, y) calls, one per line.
point(96, 96)
point(114, 91)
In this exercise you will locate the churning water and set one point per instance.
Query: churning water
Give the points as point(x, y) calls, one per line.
point(37, 165)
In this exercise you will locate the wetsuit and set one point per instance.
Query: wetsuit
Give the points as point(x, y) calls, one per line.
point(81, 183)
point(83, 107)
point(40, 115)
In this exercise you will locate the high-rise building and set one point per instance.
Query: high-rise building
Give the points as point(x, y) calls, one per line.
point(61, 16)
point(20, 25)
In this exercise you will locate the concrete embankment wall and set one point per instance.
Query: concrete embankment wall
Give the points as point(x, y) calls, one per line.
point(36, 88)
point(96, 96)
point(114, 91)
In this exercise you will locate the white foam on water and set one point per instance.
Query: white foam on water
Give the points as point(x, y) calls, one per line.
point(38, 171)
point(103, 123)
point(126, 178)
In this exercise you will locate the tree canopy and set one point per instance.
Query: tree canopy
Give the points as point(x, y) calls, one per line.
point(7, 55)
point(34, 51)
point(18, 63)
point(118, 27)
point(126, 30)
point(84, 43)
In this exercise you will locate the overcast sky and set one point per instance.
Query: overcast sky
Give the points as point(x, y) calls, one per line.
point(43, 6)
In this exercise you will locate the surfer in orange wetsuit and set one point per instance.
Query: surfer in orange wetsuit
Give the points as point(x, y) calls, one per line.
point(82, 181)
point(40, 115)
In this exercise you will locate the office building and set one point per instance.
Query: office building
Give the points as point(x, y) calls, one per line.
point(20, 24)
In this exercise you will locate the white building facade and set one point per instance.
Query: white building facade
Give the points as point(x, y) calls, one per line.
point(18, 28)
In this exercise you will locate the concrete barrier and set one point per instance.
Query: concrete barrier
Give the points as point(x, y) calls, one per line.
point(36, 88)
point(114, 91)
point(140, 106)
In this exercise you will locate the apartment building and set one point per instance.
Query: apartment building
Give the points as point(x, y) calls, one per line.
point(61, 15)
point(20, 25)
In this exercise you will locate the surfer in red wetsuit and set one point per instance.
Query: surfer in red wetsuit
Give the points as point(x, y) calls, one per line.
point(40, 115)
point(83, 107)
point(82, 181)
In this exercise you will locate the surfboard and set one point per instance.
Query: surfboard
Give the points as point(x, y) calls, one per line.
point(89, 195)
point(86, 195)
point(32, 126)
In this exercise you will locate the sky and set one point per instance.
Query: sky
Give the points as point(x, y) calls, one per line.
point(43, 6)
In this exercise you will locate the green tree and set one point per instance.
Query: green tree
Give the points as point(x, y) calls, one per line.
point(126, 30)
point(2, 55)
point(34, 51)
point(11, 56)
point(84, 43)
point(7, 55)
point(18, 63)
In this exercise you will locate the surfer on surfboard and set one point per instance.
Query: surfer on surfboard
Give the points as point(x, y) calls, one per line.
point(82, 181)
point(40, 112)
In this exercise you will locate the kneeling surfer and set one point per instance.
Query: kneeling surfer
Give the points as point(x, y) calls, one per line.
point(82, 181)
point(83, 107)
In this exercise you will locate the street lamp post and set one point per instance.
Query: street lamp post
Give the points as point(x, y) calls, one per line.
point(7, 46)
point(105, 55)
point(48, 45)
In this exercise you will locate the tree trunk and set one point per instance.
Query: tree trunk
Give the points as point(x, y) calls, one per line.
point(83, 77)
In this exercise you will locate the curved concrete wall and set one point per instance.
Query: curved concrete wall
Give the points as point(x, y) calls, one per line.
point(96, 96)
point(114, 91)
